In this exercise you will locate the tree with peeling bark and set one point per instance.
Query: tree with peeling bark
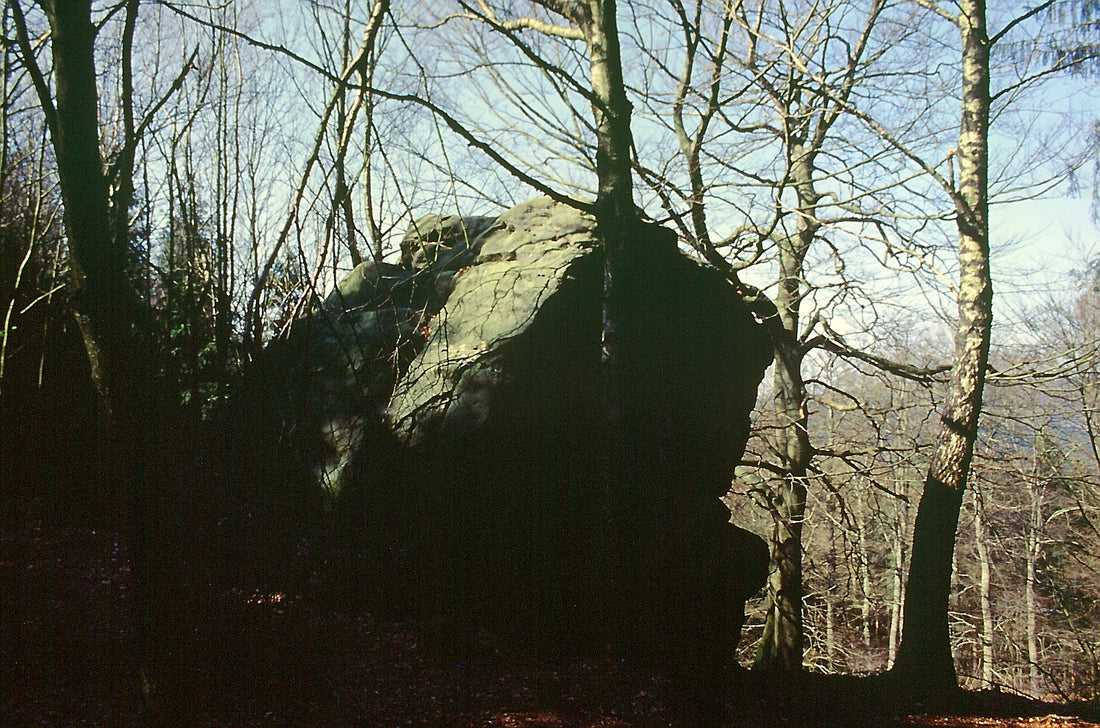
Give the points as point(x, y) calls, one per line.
point(924, 658)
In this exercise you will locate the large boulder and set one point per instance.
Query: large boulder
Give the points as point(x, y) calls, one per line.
point(443, 423)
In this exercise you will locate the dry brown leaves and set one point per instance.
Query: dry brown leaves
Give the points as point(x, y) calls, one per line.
point(955, 721)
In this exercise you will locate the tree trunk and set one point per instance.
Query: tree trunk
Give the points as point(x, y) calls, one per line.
point(924, 657)
point(1030, 600)
point(106, 306)
point(897, 573)
point(866, 587)
point(830, 602)
point(985, 584)
point(781, 646)
point(614, 141)
point(781, 643)
point(897, 593)
point(636, 494)
point(228, 191)
point(341, 197)
point(102, 295)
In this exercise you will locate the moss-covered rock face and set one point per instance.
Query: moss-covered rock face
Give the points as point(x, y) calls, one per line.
point(448, 415)
point(530, 255)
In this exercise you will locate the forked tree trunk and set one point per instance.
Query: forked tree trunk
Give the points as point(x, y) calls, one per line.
point(925, 661)
point(102, 296)
point(104, 301)
point(781, 645)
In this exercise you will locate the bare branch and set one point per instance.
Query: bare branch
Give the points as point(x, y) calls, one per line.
point(929, 5)
point(835, 344)
point(41, 87)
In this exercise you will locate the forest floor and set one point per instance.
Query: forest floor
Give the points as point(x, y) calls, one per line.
point(67, 647)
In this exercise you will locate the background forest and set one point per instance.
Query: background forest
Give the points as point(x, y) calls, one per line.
point(253, 153)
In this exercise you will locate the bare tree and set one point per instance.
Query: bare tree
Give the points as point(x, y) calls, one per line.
point(97, 194)
point(924, 655)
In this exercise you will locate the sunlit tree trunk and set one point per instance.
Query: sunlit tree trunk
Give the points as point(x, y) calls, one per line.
point(924, 656)
point(896, 601)
point(808, 111)
point(897, 576)
point(864, 577)
point(1030, 600)
point(985, 585)
point(782, 644)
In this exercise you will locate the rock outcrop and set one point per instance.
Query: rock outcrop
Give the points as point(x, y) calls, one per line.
point(443, 423)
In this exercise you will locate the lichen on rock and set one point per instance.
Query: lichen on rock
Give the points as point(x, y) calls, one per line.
point(444, 420)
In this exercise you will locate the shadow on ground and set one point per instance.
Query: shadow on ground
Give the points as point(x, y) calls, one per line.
point(270, 659)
